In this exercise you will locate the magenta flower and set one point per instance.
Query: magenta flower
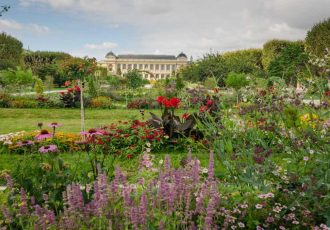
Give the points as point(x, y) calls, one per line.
point(91, 132)
point(54, 125)
point(43, 135)
point(25, 143)
point(48, 148)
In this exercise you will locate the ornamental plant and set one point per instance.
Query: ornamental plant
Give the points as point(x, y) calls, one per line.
point(172, 125)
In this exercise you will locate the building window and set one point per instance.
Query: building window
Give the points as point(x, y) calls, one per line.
point(157, 66)
point(129, 66)
point(147, 76)
point(110, 67)
point(168, 67)
point(152, 66)
point(173, 68)
point(118, 66)
point(167, 75)
point(140, 66)
point(135, 66)
point(157, 76)
point(162, 76)
point(146, 66)
point(162, 67)
point(124, 66)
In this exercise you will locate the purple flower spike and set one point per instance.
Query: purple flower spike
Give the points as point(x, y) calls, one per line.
point(48, 148)
point(43, 135)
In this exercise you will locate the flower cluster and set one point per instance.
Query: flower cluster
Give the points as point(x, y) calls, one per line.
point(168, 103)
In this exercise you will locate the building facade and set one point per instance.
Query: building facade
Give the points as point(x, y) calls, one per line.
point(150, 66)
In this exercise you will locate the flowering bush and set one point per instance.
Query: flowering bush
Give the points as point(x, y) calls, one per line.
point(186, 197)
point(101, 102)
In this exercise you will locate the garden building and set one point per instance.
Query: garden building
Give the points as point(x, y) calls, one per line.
point(151, 66)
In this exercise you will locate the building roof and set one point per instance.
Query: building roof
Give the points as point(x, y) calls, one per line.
point(182, 55)
point(110, 54)
point(146, 56)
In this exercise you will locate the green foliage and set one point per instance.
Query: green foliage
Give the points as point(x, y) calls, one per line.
point(318, 38)
point(210, 83)
point(244, 61)
point(92, 89)
point(19, 78)
point(272, 49)
point(236, 81)
point(11, 51)
point(49, 82)
point(289, 63)
point(211, 65)
point(101, 102)
point(134, 79)
point(39, 87)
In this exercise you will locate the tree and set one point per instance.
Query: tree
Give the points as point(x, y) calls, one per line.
point(289, 63)
point(4, 9)
point(236, 81)
point(11, 51)
point(318, 38)
point(134, 79)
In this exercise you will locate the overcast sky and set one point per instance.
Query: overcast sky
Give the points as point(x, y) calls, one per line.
point(196, 27)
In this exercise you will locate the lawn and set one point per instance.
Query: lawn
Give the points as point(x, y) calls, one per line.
point(14, 120)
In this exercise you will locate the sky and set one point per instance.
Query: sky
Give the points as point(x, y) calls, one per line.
point(196, 27)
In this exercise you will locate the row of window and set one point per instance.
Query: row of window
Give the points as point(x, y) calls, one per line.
point(156, 76)
point(168, 67)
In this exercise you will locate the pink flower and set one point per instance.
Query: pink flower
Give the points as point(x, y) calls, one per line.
point(25, 143)
point(43, 135)
point(91, 132)
point(54, 125)
point(259, 206)
point(48, 148)
point(306, 158)
point(270, 219)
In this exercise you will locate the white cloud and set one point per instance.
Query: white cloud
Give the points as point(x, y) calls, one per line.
point(101, 46)
point(195, 26)
point(11, 25)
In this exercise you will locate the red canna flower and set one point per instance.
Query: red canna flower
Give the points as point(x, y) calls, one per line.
point(175, 102)
point(161, 99)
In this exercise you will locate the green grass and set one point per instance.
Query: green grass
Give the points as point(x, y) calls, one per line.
point(13, 120)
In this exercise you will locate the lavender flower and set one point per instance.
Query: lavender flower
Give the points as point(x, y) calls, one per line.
point(48, 148)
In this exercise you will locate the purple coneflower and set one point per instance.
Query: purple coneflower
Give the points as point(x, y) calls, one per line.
point(91, 132)
point(43, 135)
point(25, 143)
point(54, 125)
point(48, 148)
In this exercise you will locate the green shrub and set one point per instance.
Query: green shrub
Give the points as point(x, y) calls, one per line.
point(236, 81)
point(23, 103)
point(101, 102)
point(11, 51)
point(318, 38)
point(272, 49)
point(289, 63)
point(39, 87)
point(134, 79)
point(244, 61)
point(210, 83)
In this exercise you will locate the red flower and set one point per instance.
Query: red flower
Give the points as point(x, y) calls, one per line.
point(70, 90)
point(62, 93)
point(174, 102)
point(185, 116)
point(161, 99)
point(203, 109)
point(209, 102)
point(129, 156)
point(327, 93)
point(67, 83)
point(77, 88)
point(126, 135)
